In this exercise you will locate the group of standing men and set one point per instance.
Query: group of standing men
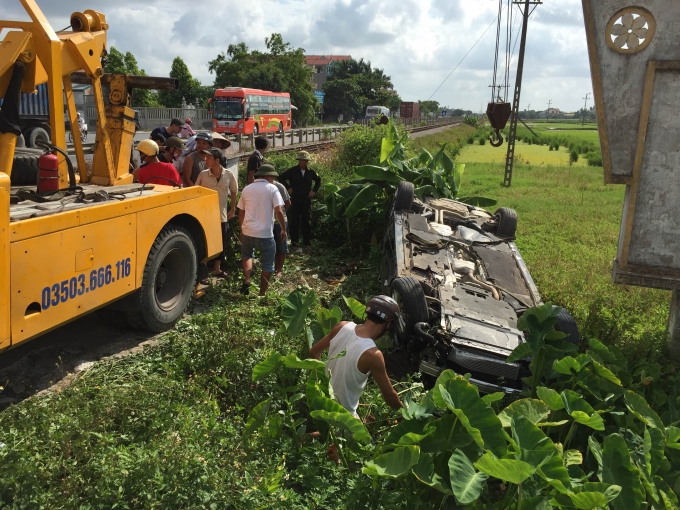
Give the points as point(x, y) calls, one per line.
point(270, 205)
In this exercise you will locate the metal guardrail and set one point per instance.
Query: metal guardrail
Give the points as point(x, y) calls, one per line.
point(298, 138)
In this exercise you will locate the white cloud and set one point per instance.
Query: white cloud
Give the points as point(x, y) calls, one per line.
point(416, 42)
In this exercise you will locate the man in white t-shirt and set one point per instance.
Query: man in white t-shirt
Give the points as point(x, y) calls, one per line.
point(258, 204)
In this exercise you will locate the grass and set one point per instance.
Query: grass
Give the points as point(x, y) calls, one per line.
point(532, 154)
point(162, 429)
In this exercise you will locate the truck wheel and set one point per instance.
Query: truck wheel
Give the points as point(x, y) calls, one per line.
point(25, 166)
point(36, 134)
point(567, 325)
point(506, 222)
point(409, 294)
point(168, 281)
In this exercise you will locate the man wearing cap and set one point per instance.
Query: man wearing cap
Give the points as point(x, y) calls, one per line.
point(172, 130)
point(258, 204)
point(298, 180)
point(218, 178)
point(172, 150)
point(154, 171)
point(256, 158)
point(349, 373)
point(194, 162)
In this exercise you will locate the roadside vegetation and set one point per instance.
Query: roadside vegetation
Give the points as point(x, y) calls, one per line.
point(211, 418)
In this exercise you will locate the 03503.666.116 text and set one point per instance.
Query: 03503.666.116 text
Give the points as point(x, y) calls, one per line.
point(77, 286)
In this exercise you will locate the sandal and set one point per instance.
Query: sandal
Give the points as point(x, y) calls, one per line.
point(245, 288)
point(205, 281)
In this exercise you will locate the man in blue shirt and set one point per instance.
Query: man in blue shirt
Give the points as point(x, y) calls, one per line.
point(172, 130)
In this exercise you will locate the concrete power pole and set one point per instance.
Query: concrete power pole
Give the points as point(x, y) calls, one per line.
point(583, 117)
point(547, 113)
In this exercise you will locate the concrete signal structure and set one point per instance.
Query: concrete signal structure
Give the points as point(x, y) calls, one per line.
point(635, 69)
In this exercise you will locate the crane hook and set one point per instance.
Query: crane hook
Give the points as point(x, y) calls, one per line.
point(499, 142)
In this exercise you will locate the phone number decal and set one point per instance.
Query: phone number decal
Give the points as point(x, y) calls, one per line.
point(76, 286)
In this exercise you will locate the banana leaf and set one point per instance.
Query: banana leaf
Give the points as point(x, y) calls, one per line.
point(364, 197)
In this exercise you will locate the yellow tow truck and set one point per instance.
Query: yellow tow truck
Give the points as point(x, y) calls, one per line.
point(103, 241)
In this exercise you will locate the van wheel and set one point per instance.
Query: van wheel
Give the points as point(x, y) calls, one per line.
point(567, 325)
point(403, 197)
point(506, 222)
point(409, 294)
point(168, 281)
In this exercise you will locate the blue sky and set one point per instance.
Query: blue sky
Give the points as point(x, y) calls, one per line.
point(416, 42)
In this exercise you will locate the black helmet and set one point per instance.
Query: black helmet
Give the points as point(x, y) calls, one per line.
point(383, 307)
point(204, 136)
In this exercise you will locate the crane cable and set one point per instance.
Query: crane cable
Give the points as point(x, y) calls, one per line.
point(499, 17)
point(461, 61)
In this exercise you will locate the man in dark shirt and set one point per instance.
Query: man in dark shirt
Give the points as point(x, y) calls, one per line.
point(155, 172)
point(172, 130)
point(256, 158)
point(298, 180)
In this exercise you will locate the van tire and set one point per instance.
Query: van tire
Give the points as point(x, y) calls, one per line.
point(409, 294)
point(168, 281)
point(506, 222)
point(25, 166)
point(567, 325)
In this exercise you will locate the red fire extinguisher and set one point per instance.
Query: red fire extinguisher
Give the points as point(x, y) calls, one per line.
point(48, 174)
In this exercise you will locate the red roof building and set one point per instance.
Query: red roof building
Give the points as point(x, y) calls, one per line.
point(322, 67)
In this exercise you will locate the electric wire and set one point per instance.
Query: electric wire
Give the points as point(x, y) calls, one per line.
point(461, 61)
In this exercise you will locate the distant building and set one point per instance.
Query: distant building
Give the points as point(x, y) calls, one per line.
point(322, 67)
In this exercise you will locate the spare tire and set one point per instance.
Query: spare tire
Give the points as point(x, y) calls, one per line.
point(506, 222)
point(36, 134)
point(25, 166)
point(567, 325)
point(409, 294)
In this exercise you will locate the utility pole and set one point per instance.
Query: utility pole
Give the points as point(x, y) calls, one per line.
point(512, 136)
point(583, 117)
point(547, 112)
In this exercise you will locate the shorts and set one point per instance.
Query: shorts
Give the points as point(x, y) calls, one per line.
point(225, 241)
point(267, 248)
point(281, 245)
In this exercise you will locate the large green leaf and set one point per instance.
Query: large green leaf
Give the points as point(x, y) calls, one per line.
point(328, 318)
point(600, 350)
point(478, 418)
point(594, 421)
point(426, 191)
point(344, 421)
point(673, 438)
point(295, 310)
point(405, 427)
point(256, 417)
point(466, 482)
point(618, 469)
point(448, 434)
point(443, 378)
point(266, 367)
point(535, 447)
point(534, 410)
point(424, 472)
point(554, 472)
point(550, 397)
point(590, 496)
point(393, 464)
point(365, 197)
point(376, 173)
point(356, 307)
point(640, 408)
point(507, 470)
point(567, 365)
point(522, 351)
point(292, 361)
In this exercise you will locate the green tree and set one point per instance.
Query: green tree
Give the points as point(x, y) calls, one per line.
point(189, 87)
point(354, 85)
point(117, 62)
point(280, 69)
point(428, 107)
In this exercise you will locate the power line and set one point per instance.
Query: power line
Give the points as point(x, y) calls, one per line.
point(459, 63)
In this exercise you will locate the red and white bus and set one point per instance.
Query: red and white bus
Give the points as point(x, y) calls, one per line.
point(245, 111)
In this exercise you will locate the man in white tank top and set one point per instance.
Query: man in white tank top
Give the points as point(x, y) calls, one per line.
point(349, 373)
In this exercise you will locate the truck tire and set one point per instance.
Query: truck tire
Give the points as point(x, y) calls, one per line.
point(403, 197)
point(506, 222)
point(21, 141)
point(167, 282)
point(409, 294)
point(567, 325)
point(36, 134)
point(25, 166)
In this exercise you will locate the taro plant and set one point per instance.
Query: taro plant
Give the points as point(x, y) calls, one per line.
point(585, 439)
